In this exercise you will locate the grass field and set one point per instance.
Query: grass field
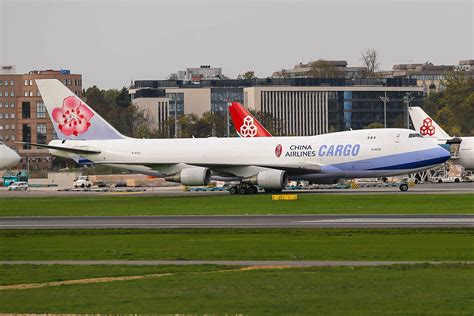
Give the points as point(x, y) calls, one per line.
point(406, 290)
point(239, 244)
point(226, 205)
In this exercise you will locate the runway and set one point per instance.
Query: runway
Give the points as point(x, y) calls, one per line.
point(240, 221)
point(427, 188)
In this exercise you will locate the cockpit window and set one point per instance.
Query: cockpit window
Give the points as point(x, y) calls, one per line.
point(414, 135)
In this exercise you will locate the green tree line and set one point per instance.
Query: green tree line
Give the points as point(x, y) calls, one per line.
point(453, 108)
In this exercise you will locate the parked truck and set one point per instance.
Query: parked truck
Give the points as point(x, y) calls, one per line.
point(9, 178)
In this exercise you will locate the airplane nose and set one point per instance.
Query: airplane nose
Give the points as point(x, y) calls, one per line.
point(15, 159)
point(10, 159)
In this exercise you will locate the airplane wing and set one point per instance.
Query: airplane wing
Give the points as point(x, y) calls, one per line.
point(225, 169)
point(246, 170)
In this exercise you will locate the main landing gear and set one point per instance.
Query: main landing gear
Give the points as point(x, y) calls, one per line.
point(249, 189)
point(243, 189)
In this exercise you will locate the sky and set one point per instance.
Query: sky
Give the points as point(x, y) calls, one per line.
point(111, 42)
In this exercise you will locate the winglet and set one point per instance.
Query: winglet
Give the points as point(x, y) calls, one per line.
point(245, 124)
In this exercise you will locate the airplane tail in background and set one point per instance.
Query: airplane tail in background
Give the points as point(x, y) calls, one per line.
point(425, 125)
point(245, 124)
point(72, 118)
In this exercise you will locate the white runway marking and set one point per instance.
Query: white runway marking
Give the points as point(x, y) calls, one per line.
point(393, 220)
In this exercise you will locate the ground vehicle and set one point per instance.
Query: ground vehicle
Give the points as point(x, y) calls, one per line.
point(82, 182)
point(10, 178)
point(468, 176)
point(100, 184)
point(18, 186)
point(446, 179)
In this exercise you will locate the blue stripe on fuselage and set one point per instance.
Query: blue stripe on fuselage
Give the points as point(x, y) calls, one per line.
point(403, 161)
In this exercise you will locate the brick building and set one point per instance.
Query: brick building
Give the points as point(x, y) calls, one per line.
point(23, 116)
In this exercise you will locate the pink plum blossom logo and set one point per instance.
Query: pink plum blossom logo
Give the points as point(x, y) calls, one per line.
point(73, 117)
point(278, 150)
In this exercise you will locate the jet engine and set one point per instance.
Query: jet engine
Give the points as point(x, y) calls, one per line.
point(191, 176)
point(268, 179)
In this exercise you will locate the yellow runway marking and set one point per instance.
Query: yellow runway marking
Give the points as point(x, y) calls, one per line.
point(121, 193)
point(264, 268)
point(81, 281)
point(123, 278)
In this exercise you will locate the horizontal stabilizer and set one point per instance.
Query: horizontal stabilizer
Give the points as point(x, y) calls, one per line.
point(74, 150)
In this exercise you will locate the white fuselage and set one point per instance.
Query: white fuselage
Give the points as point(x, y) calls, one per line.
point(363, 153)
point(466, 152)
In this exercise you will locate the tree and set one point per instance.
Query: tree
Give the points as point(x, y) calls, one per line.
point(250, 74)
point(271, 124)
point(323, 69)
point(370, 60)
point(123, 98)
point(116, 108)
point(453, 108)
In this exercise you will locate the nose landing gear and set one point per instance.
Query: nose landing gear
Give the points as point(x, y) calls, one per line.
point(403, 187)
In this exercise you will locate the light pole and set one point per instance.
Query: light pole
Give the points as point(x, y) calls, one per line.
point(385, 99)
point(228, 123)
point(408, 98)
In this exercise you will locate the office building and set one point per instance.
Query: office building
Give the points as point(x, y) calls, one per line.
point(204, 72)
point(299, 106)
point(302, 70)
point(428, 76)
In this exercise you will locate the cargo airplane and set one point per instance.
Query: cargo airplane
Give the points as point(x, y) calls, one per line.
point(264, 161)
point(428, 128)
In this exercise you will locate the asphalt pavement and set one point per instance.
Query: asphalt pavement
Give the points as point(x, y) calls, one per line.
point(369, 188)
point(238, 221)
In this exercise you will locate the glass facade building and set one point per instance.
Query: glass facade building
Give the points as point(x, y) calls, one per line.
point(298, 106)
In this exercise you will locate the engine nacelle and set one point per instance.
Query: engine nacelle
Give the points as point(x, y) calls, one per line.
point(191, 176)
point(269, 179)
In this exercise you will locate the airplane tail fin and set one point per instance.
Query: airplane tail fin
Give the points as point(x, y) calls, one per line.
point(72, 118)
point(425, 125)
point(245, 124)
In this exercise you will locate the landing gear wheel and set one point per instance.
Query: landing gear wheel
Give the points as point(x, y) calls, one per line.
point(252, 190)
point(242, 190)
point(273, 191)
point(403, 187)
point(233, 190)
